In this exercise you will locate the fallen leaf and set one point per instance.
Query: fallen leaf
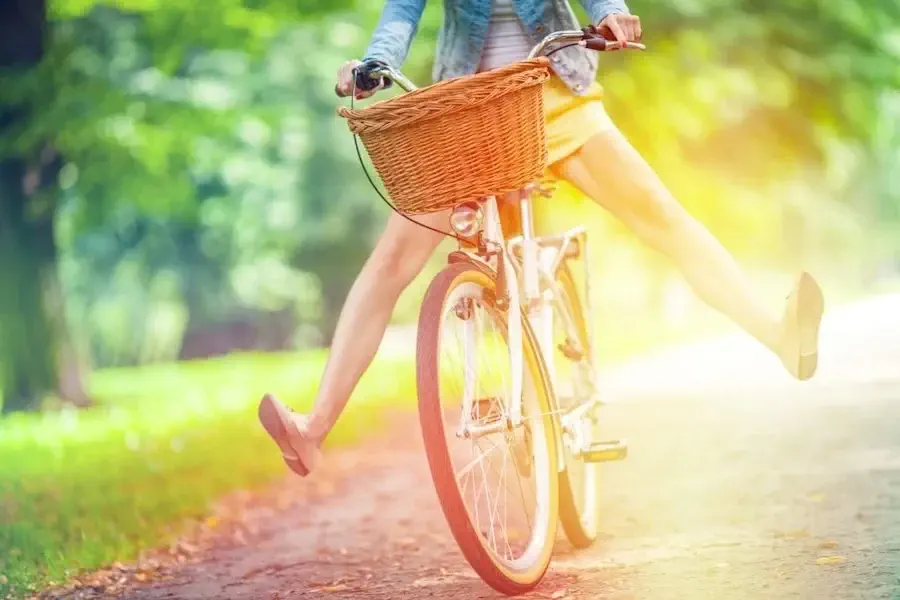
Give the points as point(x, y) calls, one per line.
point(334, 588)
point(818, 497)
point(830, 560)
point(792, 534)
point(3, 579)
point(343, 551)
point(828, 545)
point(211, 522)
point(559, 594)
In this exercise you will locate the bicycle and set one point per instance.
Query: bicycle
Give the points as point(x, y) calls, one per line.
point(543, 405)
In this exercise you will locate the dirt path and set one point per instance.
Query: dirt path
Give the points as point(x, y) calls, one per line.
point(791, 493)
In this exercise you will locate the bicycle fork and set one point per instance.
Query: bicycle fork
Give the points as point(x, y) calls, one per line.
point(508, 290)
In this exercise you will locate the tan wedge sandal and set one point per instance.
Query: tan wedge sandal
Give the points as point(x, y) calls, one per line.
point(800, 328)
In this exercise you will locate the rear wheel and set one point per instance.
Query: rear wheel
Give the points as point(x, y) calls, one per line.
point(578, 482)
point(498, 490)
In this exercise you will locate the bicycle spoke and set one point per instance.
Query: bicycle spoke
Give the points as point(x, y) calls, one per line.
point(474, 463)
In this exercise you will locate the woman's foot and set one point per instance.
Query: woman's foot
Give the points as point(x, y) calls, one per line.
point(799, 349)
point(290, 431)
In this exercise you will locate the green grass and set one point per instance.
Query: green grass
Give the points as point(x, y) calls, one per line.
point(83, 489)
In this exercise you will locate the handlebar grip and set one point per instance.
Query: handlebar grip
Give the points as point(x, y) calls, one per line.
point(364, 79)
point(366, 83)
point(601, 40)
point(596, 43)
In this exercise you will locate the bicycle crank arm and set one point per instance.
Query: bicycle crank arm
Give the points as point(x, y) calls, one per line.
point(610, 451)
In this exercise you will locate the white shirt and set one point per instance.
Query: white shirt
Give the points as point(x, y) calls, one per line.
point(507, 40)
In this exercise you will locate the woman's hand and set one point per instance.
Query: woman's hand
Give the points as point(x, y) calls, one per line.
point(621, 28)
point(345, 78)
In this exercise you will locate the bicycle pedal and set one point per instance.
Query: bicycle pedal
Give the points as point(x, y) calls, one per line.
point(610, 451)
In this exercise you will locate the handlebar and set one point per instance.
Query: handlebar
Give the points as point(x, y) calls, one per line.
point(374, 74)
point(589, 37)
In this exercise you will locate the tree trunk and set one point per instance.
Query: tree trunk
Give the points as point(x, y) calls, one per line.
point(32, 319)
point(26, 332)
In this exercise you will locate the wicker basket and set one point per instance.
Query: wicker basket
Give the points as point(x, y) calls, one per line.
point(460, 139)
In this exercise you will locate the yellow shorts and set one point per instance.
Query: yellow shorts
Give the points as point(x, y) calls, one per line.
point(571, 120)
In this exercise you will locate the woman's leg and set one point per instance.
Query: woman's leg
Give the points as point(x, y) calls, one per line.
point(611, 172)
point(401, 252)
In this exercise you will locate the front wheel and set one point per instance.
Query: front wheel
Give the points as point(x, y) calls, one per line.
point(496, 480)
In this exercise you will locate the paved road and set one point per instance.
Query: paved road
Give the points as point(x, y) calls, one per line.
point(739, 484)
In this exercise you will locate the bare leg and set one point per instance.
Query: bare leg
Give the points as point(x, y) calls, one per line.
point(611, 172)
point(401, 252)
point(399, 256)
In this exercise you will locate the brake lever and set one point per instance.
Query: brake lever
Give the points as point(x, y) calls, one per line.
point(595, 39)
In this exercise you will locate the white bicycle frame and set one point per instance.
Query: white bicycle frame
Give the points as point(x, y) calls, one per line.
point(530, 269)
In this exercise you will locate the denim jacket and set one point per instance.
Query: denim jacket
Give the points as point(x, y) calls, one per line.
point(465, 27)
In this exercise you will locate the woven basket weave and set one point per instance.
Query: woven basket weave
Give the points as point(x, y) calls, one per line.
point(460, 139)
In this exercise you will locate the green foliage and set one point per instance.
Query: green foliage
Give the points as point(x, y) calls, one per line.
point(208, 178)
point(273, 193)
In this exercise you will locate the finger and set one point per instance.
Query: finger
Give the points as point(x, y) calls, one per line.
point(616, 29)
point(363, 94)
point(343, 84)
point(629, 29)
point(638, 30)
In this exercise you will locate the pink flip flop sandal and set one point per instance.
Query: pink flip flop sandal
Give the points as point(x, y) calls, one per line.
point(287, 429)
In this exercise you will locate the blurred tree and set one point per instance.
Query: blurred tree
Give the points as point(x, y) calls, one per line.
point(33, 340)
